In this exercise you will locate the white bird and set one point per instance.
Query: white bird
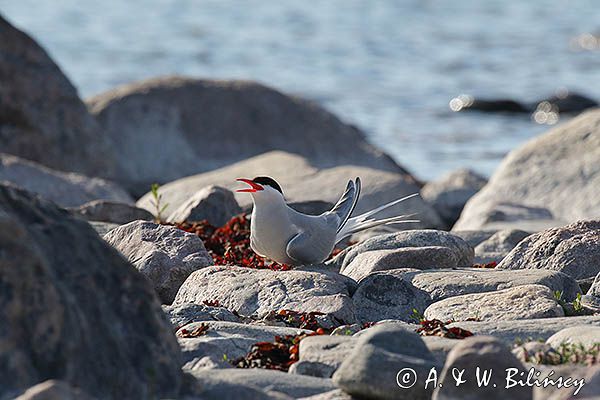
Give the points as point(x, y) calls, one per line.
point(282, 234)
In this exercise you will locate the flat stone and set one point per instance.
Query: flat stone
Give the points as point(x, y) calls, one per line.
point(290, 384)
point(259, 291)
point(520, 302)
point(485, 353)
point(165, 254)
point(311, 368)
point(337, 394)
point(526, 329)
point(463, 253)
point(326, 350)
point(206, 387)
point(474, 237)
point(584, 335)
point(304, 181)
point(497, 246)
point(184, 314)
point(215, 204)
point(573, 249)
point(111, 211)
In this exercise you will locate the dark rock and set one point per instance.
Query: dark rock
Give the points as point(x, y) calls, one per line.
point(110, 211)
point(75, 310)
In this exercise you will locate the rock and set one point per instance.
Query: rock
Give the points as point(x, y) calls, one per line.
point(378, 361)
point(483, 353)
point(53, 390)
point(187, 313)
point(293, 385)
point(465, 102)
point(165, 254)
point(259, 291)
point(332, 395)
point(444, 283)
point(408, 257)
point(525, 329)
point(557, 170)
point(497, 246)
point(566, 102)
point(584, 335)
point(573, 249)
point(463, 253)
point(169, 127)
point(102, 228)
point(504, 215)
point(110, 211)
point(303, 182)
point(66, 189)
point(563, 102)
point(536, 353)
point(41, 117)
point(521, 302)
point(73, 308)
point(385, 295)
point(439, 346)
point(589, 376)
point(213, 203)
point(206, 388)
point(473, 238)
point(325, 353)
point(592, 297)
point(450, 193)
point(311, 368)
point(227, 341)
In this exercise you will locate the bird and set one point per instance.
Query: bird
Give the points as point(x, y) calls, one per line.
point(286, 236)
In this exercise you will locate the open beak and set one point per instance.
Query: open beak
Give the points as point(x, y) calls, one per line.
point(255, 187)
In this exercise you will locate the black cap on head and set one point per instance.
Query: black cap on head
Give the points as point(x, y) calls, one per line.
point(267, 181)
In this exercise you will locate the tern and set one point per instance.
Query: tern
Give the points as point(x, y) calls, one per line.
point(284, 235)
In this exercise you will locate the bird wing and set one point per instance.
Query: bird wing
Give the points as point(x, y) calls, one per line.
point(346, 204)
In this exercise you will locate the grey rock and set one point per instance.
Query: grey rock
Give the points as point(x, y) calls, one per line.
point(450, 193)
point(584, 335)
point(186, 313)
point(592, 297)
point(337, 394)
point(205, 387)
point(84, 307)
point(213, 203)
point(102, 228)
point(573, 249)
point(290, 384)
point(474, 237)
point(253, 291)
point(373, 367)
point(67, 189)
point(165, 254)
point(386, 295)
point(407, 257)
point(521, 302)
point(53, 390)
point(111, 211)
point(302, 181)
point(444, 283)
point(169, 127)
point(312, 368)
point(439, 346)
point(463, 253)
point(589, 376)
point(497, 246)
point(486, 353)
point(506, 215)
point(43, 119)
point(558, 170)
point(227, 341)
point(526, 329)
point(536, 353)
point(327, 351)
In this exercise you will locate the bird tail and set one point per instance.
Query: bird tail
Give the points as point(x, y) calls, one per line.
point(367, 220)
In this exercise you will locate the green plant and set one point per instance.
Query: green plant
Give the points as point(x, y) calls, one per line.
point(417, 315)
point(156, 201)
point(577, 306)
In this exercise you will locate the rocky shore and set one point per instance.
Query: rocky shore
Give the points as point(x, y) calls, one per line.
point(112, 290)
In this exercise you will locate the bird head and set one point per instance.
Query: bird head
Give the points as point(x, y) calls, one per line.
point(262, 188)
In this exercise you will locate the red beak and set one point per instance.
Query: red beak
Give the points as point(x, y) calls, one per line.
point(255, 187)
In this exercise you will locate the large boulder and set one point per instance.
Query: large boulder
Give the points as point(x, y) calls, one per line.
point(573, 249)
point(169, 127)
point(165, 254)
point(558, 170)
point(213, 203)
point(66, 189)
point(450, 193)
point(259, 291)
point(302, 182)
point(497, 246)
point(74, 309)
point(111, 212)
point(41, 115)
point(521, 302)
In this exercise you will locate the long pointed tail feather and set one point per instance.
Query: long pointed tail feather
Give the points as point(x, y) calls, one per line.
point(362, 221)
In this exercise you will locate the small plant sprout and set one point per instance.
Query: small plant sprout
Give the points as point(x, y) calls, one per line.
point(417, 316)
point(156, 201)
point(577, 306)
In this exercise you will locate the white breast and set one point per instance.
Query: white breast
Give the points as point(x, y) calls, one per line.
point(271, 229)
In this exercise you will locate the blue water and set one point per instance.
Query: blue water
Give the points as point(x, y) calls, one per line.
point(390, 67)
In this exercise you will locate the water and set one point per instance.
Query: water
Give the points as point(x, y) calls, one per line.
point(389, 67)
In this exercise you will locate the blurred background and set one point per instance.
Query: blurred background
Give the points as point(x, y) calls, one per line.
point(389, 67)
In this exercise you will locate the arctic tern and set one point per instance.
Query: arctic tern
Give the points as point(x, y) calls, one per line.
point(284, 235)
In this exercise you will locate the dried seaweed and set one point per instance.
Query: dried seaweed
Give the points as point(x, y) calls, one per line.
point(435, 327)
point(197, 331)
